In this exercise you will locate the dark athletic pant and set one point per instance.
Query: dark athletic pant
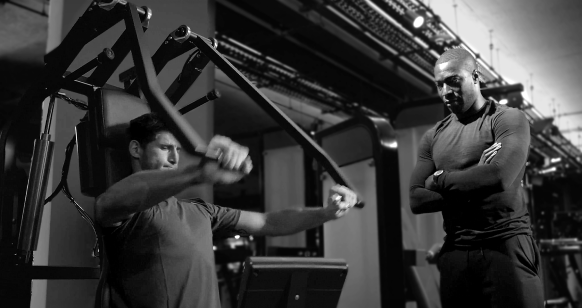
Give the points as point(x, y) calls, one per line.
point(503, 273)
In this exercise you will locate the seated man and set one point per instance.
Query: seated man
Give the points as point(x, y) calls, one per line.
point(160, 248)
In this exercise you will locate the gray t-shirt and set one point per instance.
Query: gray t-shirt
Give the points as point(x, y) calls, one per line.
point(163, 256)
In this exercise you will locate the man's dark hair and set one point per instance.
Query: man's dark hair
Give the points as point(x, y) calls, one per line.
point(144, 128)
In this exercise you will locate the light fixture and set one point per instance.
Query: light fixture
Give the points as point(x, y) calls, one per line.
point(548, 170)
point(512, 99)
point(414, 18)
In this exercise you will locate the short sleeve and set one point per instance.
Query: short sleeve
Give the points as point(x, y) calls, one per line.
point(425, 146)
point(223, 220)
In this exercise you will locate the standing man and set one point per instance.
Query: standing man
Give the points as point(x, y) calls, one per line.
point(160, 248)
point(470, 168)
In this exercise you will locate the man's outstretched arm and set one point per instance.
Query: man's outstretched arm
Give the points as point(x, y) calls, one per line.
point(290, 221)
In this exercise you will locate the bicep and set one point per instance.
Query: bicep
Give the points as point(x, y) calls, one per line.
point(107, 214)
point(512, 131)
point(423, 200)
point(425, 165)
point(423, 169)
point(251, 223)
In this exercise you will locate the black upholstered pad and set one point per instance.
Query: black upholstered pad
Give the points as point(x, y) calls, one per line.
point(102, 141)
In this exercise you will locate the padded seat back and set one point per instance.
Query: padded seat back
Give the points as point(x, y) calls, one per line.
point(102, 140)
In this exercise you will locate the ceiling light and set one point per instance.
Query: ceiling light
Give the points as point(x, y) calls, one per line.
point(503, 101)
point(548, 170)
point(414, 18)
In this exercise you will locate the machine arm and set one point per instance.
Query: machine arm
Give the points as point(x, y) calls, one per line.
point(274, 112)
point(147, 79)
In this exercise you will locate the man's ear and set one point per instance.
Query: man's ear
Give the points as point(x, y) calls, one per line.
point(135, 149)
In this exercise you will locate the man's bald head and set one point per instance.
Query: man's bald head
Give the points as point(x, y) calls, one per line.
point(459, 55)
point(457, 79)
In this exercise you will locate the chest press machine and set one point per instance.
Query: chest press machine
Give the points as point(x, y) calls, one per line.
point(101, 134)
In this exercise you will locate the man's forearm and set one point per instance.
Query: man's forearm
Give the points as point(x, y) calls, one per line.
point(477, 180)
point(423, 201)
point(141, 191)
point(472, 180)
point(291, 221)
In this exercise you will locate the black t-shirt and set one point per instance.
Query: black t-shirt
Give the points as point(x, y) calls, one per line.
point(479, 202)
point(163, 256)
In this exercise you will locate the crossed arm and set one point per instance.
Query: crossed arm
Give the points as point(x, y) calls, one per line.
point(511, 129)
point(423, 200)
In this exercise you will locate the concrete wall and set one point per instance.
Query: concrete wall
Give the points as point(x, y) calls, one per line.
point(66, 239)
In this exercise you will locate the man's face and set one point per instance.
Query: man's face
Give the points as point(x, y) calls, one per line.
point(455, 85)
point(162, 153)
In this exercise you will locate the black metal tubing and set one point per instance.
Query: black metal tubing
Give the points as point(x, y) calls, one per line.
point(35, 193)
point(102, 73)
point(154, 95)
point(212, 95)
point(91, 24)
point(49, 117)
point(176, 44)
point(105, 56)
point(391, 252)
point(36, 190)
point(309, 146)
point(190, 72)
point(120, 49)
